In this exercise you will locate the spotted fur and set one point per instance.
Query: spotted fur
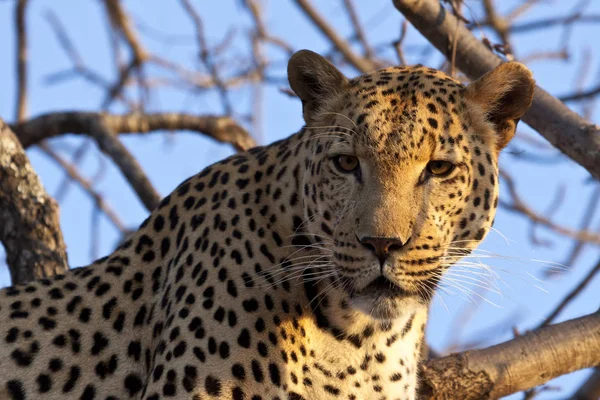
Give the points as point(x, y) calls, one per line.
point(273, 274)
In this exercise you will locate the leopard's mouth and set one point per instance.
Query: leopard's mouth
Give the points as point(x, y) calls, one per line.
point(382, 286)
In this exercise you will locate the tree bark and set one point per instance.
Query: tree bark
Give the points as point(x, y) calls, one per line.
point(29, 217)
point(565, 129)
point(519, 364)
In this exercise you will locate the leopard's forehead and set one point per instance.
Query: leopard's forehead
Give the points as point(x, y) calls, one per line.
point(405, 112)
point(414, 77)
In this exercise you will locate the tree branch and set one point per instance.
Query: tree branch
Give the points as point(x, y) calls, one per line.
point(519, 364)
point(221, 129)
point(565, 129)
point(87, 186)
point(572, 294)
point(360, 63)
point(205, 55)
point(21, 59)
point(518, 206)
point(127, 164)
point(29, 217)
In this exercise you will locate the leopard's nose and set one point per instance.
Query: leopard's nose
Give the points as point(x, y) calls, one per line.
point(383, 246)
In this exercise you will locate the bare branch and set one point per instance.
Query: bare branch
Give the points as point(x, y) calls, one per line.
point(360, 63)
point(358, 29)
point(519, 206)
point(261, 30)
point(398, 43)
point(21, 60)
point(584, 225)
point(582, 95)
point(87, 186)
point(29, 217)
point(497, 22)
point(222, 129)
point(121, 22)
point(565, 129)
point(552, 22)
point(130, 168)
point(205, 55)
point(572, 294)
point(519, 364)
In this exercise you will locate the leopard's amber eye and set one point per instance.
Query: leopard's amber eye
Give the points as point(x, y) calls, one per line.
point(345, 163)
point(440, 168)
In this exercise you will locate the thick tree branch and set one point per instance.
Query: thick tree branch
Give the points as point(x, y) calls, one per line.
point(519, 364)
point(565, 129)
point(29, 217)
point(222, 129)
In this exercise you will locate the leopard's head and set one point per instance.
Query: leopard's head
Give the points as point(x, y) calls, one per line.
point(401, 172)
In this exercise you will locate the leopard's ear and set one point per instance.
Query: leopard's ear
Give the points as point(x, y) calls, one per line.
point(315, 80)
point(504, 94)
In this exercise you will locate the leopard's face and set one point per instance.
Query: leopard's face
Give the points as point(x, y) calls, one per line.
point(402, 182)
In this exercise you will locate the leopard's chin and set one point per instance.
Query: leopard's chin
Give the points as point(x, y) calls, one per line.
point(384, 287)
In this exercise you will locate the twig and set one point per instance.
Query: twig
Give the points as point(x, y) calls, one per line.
point(398, 43)
point(261, 30)
point(572, 294)
point(130, 168)
point(545, 55)
point(519, 206)
point(21, 60)
point(579, 96)
point(205, 55)
point(584, 225)
point(87, 187)
point(499, 24)
point(260, 64)
point(76, 159)
point(121, 22)
point(521, 9)
point(358, 29)
point(360, 63)
point(552, 22)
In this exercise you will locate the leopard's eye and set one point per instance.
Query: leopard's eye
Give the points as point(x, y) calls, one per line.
point(440, 168)
point(346, 164)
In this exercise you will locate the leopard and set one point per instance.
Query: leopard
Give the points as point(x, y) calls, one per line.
point(303, 269)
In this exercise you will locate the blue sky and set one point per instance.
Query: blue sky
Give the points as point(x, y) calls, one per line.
point(169, 158)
